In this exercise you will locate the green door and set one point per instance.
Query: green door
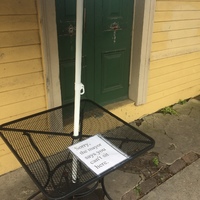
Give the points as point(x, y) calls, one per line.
point(107, 27)
point(66, 29)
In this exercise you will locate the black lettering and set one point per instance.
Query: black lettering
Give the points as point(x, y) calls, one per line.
point(101, 165)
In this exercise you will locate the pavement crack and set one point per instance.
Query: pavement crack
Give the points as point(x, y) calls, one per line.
point(141, 180)
point(190, 111)
point(155, 173)
point(165, 132)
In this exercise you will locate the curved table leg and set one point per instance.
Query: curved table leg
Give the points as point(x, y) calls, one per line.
point(104, 189)
point(83, 194)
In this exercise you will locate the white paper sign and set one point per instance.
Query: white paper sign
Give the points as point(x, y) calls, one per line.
point(97, 153)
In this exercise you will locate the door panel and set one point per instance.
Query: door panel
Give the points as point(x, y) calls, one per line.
point(113, 27)
point(66, 27)
point(67, 82)
point(112, 62)
point(106, 48)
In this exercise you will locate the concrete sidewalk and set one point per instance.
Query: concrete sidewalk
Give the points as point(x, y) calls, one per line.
point(182, 186)
point(177, 147)
point(169, 171)
point(183, 132)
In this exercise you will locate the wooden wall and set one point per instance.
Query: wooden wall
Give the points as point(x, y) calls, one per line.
point(175, 55)
point(21, 73)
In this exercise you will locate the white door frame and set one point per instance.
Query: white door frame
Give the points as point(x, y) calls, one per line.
point(49, 46)
point(140, 51)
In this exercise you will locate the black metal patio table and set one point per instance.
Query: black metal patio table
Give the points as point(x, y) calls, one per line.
point(40, 143)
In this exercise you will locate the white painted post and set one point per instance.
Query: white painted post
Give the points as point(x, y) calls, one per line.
point(79, 88)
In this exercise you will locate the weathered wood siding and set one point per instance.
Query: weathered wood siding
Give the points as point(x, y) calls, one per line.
point(175, 55)
point(21, 73)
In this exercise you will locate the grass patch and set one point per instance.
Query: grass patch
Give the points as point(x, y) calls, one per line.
point(182, 102)
point(168, 110)
point(155, 161)
point(137, 190)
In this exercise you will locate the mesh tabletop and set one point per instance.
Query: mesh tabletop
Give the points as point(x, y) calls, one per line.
point(40, 142)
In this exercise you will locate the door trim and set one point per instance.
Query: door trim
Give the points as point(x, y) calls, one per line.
point(140, 52)
point(49, 46)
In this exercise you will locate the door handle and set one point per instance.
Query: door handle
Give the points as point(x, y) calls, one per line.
point(71, 30)
point(114, 26)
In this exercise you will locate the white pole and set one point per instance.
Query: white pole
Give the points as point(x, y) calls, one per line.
point(79, 88)
point(78, 62)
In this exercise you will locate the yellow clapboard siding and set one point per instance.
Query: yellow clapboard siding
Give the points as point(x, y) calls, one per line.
point(176, 15)
point(19, 38)
point(172, 68)
point(170, 35)
point(171, 44)
point(16, 7)
point(22, 94)
point(180, 1)
point(22, 81)
point(174, 75)
point(44, 123)
point(20, 68)
point(4, 150)
point(8, 163)
point(174, 25)
point(18, 137)
point(41, 123)
point(22, 107)
point(50, 142)
point(20, 65)
point(174, 60)
point(18, 22)
point(5, 120)
point(163, 101)
point(174, 52)
point(1, 141)
point(173, 83)
point(12, 54)
point(175, 57)
point(127, 110)
point(188, 92)
point(47, 147)
point(177, 5)
point(172, 90)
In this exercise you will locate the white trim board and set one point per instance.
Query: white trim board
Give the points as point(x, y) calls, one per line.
point(141, 49)
point(49, 43)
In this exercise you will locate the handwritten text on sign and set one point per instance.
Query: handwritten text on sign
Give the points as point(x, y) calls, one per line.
point(97, 154)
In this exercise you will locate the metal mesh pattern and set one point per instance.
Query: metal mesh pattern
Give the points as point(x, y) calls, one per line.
point(40, 142)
